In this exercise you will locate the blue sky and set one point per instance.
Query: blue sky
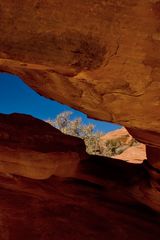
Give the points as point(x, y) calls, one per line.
point(16, 96)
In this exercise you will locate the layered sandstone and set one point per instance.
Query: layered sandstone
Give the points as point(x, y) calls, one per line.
point(101, 57)
point(32, 148)
point(92, 197)
point(73, 209)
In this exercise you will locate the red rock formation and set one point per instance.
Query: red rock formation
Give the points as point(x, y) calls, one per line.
point(102, 199)
point(72, 209)
point(131, 153)
point(34, 149)
point(119, 134)
point(134, 154)
point(101, 57)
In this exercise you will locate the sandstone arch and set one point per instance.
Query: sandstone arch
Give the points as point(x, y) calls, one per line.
point(100, 57)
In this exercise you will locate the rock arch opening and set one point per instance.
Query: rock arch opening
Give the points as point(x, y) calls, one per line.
point(101, 138)
point(102, 58)
point(17, 97)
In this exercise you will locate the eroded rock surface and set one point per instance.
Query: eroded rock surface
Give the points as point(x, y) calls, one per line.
point(119, 134)
point(101, 57)
point(127, 148)
point(71, 209)
point(32, 148)
point(133, 154)
point(93, 197)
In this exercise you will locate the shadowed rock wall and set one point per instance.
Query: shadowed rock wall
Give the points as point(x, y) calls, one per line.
point(51, 189)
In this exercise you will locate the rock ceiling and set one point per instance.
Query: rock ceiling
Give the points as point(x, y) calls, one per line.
point(101, 57)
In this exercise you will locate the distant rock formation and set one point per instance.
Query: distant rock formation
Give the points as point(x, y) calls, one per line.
point(133, 154)
point(119, 134)
point(124, 143)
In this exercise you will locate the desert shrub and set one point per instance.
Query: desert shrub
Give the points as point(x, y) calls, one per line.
point(75, 127)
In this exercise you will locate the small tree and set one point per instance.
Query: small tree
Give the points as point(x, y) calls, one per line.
point(76, 128)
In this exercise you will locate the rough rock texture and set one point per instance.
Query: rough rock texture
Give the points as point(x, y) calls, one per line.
point(119, 134)
point(104, 198)
point(32, 148)
point(152, 141)
point(101, 57)
point(147, 137)
point(73, 209)
point(134, 153)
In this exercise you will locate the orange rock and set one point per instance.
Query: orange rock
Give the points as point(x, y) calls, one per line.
point(32, 148)
point(119, 134)
point(134, 154)
point(99, 57)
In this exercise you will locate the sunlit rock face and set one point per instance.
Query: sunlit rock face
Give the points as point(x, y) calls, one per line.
point(101, 57)
point(133, 154)
point(126, 147)
point(32, 148)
